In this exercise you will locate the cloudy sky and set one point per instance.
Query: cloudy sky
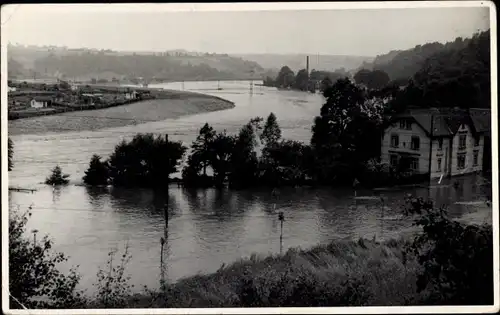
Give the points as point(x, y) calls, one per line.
point(366, 32)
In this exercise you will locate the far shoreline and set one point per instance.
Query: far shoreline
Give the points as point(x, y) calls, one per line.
point(166, 104)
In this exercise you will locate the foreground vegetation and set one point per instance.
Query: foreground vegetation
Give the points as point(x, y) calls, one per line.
point(446, 263)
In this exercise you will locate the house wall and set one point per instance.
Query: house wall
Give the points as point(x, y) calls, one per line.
point(444, 154)
point(35, 104)
point(469, 152)
point(405, 145)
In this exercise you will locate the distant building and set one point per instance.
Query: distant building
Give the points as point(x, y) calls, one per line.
point(11, 89)
point(40, 102)
point(91, 99)
point(131, 95)
point(438, 142)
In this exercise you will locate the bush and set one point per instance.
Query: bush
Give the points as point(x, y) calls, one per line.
point(457, 259)
point(34, 280)
point(97, 173)
point(113, 289)
point(57, 177)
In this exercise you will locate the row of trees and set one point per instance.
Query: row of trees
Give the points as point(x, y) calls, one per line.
point(149, 66)
point(304, 81)
point(346, 135)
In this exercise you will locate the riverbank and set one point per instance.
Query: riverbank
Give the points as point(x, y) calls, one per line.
point(166, 104)
point(342, 273)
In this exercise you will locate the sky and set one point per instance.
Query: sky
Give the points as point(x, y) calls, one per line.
point(362, 32)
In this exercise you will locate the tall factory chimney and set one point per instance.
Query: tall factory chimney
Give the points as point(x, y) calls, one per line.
point(307, 64)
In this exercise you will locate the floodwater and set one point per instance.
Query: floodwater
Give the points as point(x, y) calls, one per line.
point(206, 228)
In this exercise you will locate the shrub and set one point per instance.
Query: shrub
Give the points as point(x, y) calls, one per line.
point(34, 280)
point(57, 177)
point(113, 289)
point(457, 259)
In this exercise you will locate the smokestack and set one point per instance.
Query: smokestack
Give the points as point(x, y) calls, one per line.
point(307, 64)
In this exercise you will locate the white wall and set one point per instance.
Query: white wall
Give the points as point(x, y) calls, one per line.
point(405, 144)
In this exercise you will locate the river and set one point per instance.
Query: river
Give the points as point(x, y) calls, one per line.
point(206, 227)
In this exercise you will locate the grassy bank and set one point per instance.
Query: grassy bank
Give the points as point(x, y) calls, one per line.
point(342, 273)
point(168, 104)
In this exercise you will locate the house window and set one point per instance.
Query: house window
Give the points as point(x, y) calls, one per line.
point(476, 157)
point(393, 160)
point(439, 165)
point(415, 143)
point(461, 161)
point(394, 141)
point(440, 144)
point(476, 141)
point(462, 142)
point(414, 164)
point(405, 124)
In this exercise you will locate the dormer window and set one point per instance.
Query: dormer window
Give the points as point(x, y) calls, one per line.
point(405, 124)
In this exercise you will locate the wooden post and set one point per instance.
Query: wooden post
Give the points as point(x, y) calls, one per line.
point(281, 217)
point(382, 217)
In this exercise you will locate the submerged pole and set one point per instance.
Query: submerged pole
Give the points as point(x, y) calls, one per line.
point(281, 217)
point(382, 217)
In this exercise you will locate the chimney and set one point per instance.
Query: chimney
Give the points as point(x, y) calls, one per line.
point(307, 64)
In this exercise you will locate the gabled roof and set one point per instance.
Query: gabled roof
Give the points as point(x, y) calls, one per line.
point(447, 121)
point(481, 118)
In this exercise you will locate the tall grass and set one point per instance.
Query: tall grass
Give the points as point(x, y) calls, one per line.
point(342, 273)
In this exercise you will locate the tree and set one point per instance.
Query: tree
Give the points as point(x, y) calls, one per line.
point(286, 162)
point(272, 132)
point(57, 177)
point(221, 149)
point(33, 272)
point(10, 149)
point(361, 77)
point(325, 84)
point(145, 161)
point(244, 160)
point(97, 173)
point(346, 134)
point(301, 80)
point(201, 146)
point(458, 76)
point(376, 79)
point(285, 77)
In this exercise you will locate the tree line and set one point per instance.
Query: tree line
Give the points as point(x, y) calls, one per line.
point(164, 66)
point(346, 136)
point(303, 81)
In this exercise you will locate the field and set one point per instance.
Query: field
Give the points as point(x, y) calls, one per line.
point(167, 105)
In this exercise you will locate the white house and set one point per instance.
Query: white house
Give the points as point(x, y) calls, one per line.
point(40, 102)
point(436, 142)
point(11, 89)
point(131, 95)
